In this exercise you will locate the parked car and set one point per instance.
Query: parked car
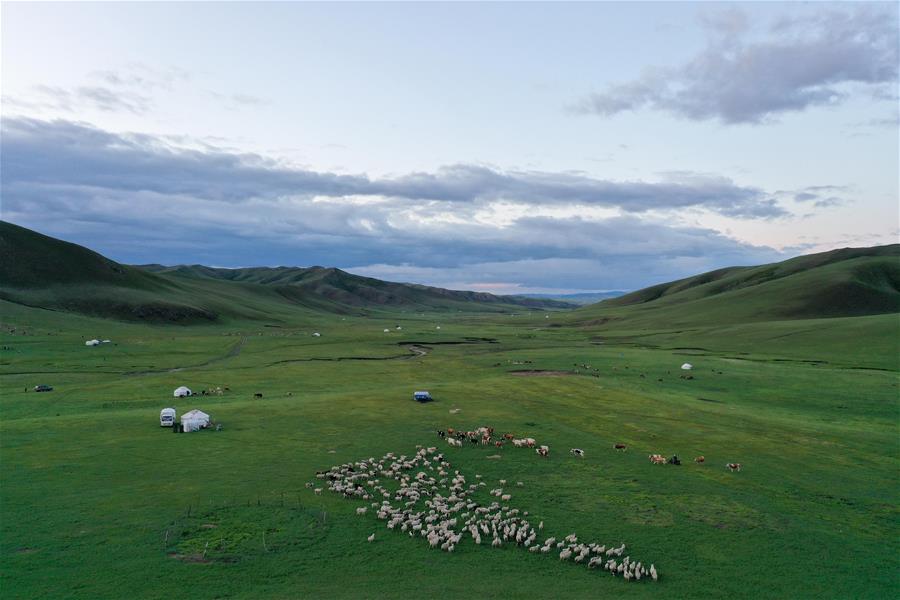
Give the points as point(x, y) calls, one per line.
point(43, 388)
point(422, 397)
point(167, 417)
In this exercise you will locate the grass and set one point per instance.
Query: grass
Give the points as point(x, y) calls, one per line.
point(91, 486)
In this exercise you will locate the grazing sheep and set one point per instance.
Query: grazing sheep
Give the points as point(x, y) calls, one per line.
point(700, 459)
point(653, 573)
point(371, 538)
point(448, 513)
point(318, 491)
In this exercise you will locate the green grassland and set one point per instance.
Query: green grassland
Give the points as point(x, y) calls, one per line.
point(795, 376)
point(98, 501)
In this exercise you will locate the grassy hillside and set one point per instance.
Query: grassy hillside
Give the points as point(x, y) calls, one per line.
point(842, 283)
point(335, 285)
point(44, 272)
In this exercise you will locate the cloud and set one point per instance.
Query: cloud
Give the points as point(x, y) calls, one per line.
point(802, 63)
point(819, 196)
point(139, 199)
point(45, 97)
point(76, 154)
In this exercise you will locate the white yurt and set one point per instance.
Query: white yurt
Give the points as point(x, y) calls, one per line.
point(687, 367)
point(92, 343)
point(182, 391)
point(194, 420)
point(317, 334)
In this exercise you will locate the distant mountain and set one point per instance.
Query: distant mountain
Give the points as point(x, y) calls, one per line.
point(582, 298)
point(840, 283)
point(334, 285)
point(41, 271)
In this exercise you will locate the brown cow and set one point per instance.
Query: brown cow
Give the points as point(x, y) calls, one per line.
point(734, 467)
point(700, 459)
point(621, 447)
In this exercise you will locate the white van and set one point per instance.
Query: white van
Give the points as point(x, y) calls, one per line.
point(167, 417)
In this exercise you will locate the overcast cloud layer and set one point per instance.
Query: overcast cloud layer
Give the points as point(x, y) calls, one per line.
point(800, 63)
point(402, 154)
point(143, 200)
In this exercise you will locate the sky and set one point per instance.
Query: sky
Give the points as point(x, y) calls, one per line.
point(502, 147)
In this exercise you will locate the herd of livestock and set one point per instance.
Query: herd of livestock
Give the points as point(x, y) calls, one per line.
point(436, 502)
point(427, 498)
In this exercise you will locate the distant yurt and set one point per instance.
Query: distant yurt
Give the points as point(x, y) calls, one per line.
point(182, 391)
point(194, 420)
point(687, 367)
point(387, 330)
point(92, 343)
point(317, 334)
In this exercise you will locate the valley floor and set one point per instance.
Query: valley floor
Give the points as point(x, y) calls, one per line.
point(98, 501)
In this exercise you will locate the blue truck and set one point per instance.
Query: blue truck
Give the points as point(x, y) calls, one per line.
point(422, 397)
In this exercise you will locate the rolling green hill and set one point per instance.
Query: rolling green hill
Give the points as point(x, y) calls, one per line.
point(44, 272)
point(335, 285)
point(842, 283)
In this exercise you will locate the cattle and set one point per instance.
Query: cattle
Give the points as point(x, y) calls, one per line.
point(657, 459)
point(508, 436)
point(498, 444)
point(700, 459)
point(441, 434)
point(577, 452)
point(543, 451)
point(674, 460)
point(734, 467)
point(621, 447)
point(257, 395)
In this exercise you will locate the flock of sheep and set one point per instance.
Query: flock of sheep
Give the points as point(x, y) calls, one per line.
point(435, 502)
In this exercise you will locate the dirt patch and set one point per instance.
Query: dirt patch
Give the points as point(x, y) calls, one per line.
point(539, 373)
point(26, 550)
point(191, 558)
point(209, 526)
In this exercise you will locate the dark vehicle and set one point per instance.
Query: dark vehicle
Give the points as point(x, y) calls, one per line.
point(422, 397)
point(43, 388)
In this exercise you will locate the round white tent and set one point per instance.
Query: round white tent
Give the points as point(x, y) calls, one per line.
point(194, 420)
point(92, 343)
point(182, 391)
point(687, 367)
